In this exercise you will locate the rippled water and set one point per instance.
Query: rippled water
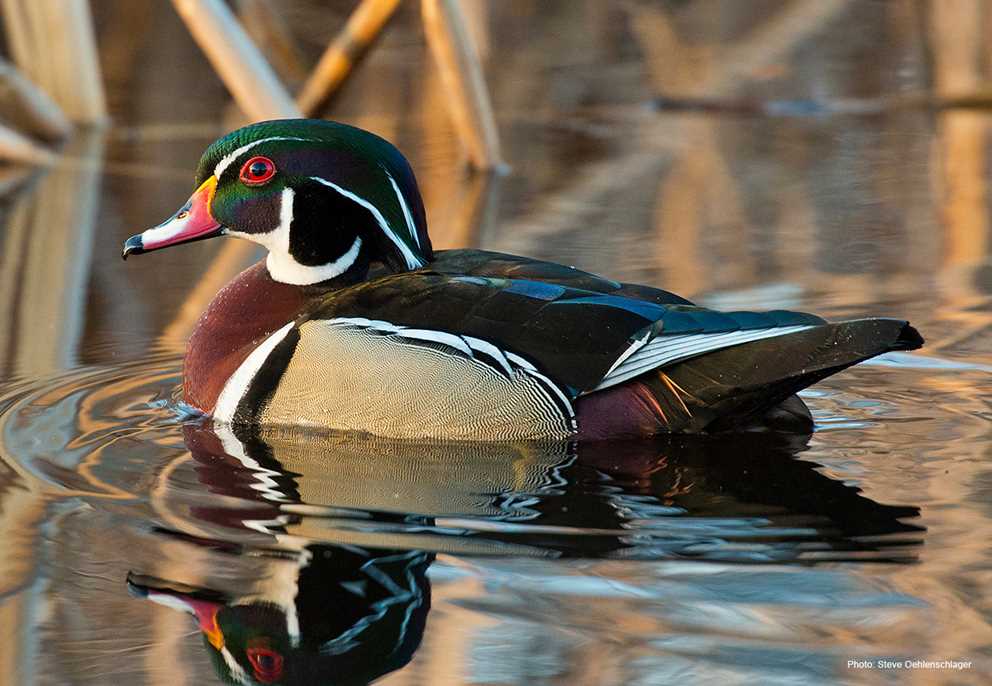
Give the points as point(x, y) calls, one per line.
point(757, 557)
point(141, 545)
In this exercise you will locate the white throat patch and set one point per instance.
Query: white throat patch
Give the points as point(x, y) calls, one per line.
point(280, 263)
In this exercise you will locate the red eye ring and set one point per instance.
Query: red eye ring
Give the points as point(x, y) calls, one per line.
point(257, 171)
point(266, 663)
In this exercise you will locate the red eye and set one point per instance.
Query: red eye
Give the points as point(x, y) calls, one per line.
point(257, 170)
point(266, 663)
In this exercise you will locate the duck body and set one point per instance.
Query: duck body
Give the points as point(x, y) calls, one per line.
point(485, 346)
point(452, 357)
point(354, 323)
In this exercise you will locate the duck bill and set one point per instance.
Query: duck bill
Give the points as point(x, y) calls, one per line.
point(205, 609)
point(193, 222)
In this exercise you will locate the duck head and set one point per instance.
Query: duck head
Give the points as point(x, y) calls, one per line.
point(346, 615)
point(324, 198)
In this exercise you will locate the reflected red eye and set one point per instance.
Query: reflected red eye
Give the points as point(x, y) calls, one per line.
point(257, 170)
point(266, 663)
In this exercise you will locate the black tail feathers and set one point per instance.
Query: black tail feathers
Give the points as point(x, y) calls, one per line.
point(752, 384)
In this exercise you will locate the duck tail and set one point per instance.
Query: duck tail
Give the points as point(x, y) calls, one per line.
point(753, 384)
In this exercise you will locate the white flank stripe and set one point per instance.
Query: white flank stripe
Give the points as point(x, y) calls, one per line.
point(554, 387)
point(229, 158)
point(464, 344)
point(411, 227)
point(237, 385)
point(412, 261)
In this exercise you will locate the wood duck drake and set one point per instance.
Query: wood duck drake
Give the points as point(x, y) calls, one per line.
point(353, 322)
point(330, 614)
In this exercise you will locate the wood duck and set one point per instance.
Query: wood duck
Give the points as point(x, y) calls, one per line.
point(336, 614)
point(352, 322)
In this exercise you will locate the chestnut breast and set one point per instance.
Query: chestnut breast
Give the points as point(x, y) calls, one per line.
point(242, 315)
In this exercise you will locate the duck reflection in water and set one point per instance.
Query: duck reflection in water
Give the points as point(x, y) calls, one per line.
point(347, 616)
point(346, 527)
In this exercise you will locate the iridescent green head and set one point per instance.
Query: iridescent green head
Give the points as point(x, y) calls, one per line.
point(324, 198)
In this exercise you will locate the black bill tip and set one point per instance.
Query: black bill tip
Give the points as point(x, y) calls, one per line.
point(132, 246)
point(134, 586)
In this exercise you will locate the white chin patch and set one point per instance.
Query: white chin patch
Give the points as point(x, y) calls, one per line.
point(280, 263)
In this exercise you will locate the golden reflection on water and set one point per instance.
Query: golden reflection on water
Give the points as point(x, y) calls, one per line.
point(837, 214)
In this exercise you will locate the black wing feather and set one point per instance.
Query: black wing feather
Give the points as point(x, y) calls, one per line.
point(485, 263)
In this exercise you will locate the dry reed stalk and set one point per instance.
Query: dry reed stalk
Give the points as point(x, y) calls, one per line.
point(17, 148)
point(52, 43)
point(79, 69)
point(344, 53)
point(266, 26)
point(29, 107)
point(238, 62)
point(461, 73)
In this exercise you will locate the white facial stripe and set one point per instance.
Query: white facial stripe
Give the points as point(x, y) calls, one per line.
point(411, 227)
point(236, 386)
point(412, 261)
point(230, 158)
point(285, 221)
point(237, 671)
